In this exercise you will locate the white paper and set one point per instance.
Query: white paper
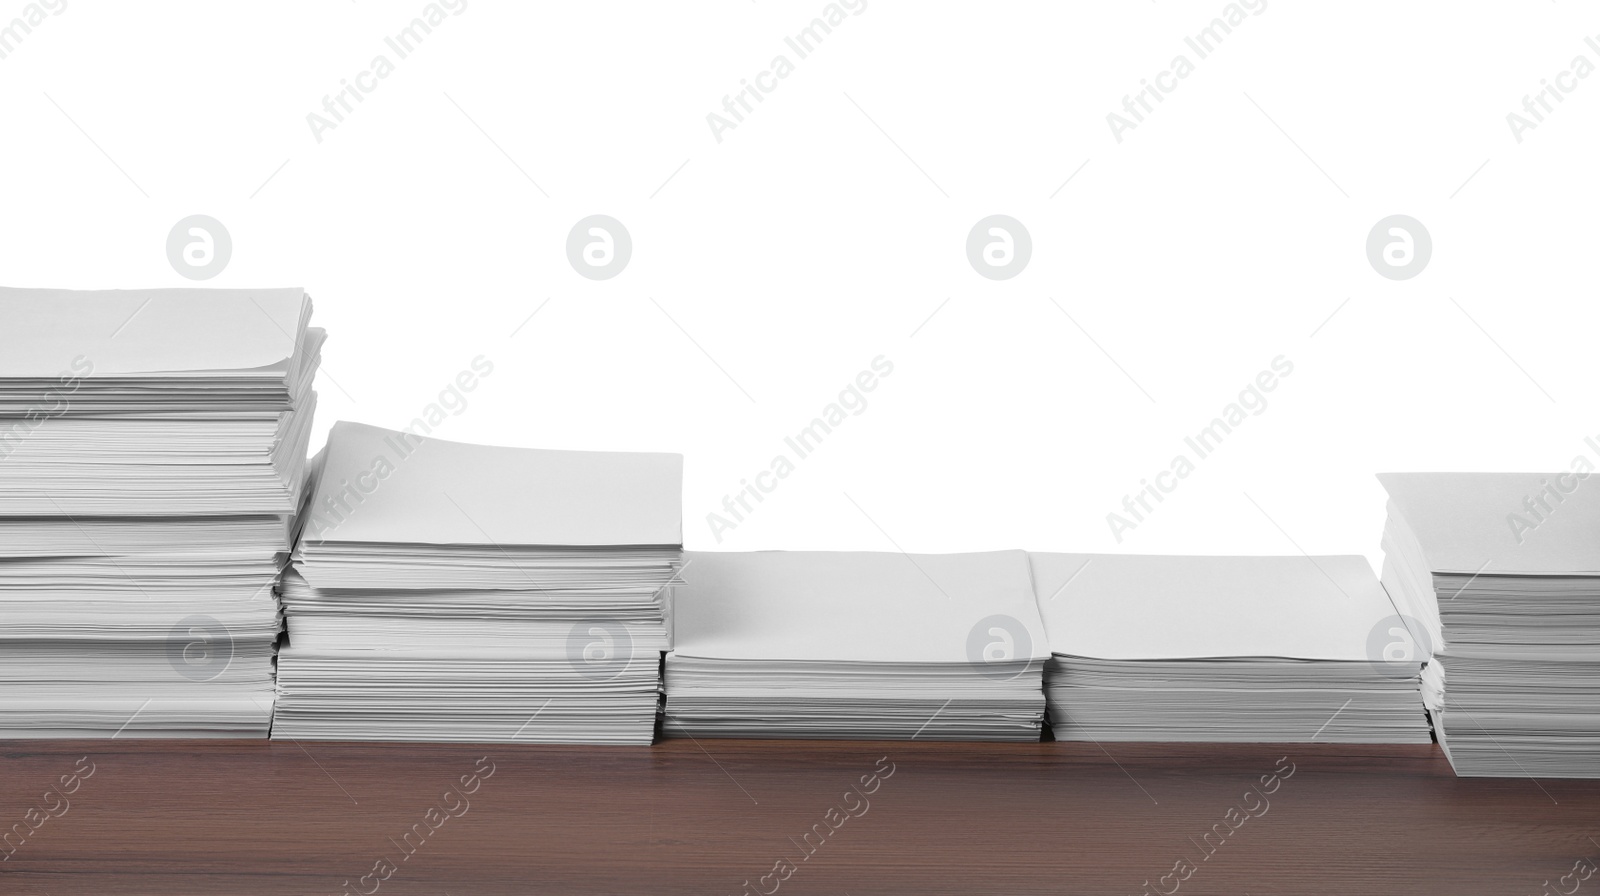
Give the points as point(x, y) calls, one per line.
point(1501, 523)
point(450, 493)
point(145, 331)
point(842, 606)
point(1120, 606)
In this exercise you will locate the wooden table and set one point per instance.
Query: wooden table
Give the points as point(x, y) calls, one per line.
point(707, 817)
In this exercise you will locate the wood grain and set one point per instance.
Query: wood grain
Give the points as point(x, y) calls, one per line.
point(707, 817)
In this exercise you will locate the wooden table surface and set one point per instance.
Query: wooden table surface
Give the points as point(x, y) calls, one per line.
point(715, 816)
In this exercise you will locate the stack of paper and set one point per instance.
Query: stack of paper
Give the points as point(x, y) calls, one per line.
point(857, 645)
point(152, 454)
point(445, 591)
point(1237, 649)
point(1502, 571)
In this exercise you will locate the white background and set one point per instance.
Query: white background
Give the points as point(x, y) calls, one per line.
point(830, 227)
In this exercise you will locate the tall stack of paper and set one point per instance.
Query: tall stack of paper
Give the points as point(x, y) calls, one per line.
point(454, 592)
point(1236, 649)
point(1502, 571)
point(857, 645)
point(152, 453)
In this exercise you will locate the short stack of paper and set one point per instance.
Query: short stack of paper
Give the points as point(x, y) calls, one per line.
point(1230, 649)
point(1502, 570)
point(152, 454)
point(453, 592)
point(856, 645)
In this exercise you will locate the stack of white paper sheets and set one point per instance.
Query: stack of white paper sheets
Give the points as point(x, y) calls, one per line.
point(152, 454)
point(454, 592)
point(1231, 649)
point(1502, 570)
point(856, 645)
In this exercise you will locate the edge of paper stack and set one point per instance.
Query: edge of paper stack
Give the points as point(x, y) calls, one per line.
point(450, 592)
point(1500, 573)
point(152, 455)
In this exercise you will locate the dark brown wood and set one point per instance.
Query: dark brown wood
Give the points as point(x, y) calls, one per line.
point(706, 817)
